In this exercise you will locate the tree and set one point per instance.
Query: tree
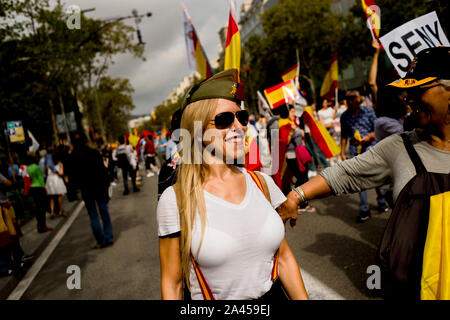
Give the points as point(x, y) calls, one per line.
point(115, 103)
point(45, 64)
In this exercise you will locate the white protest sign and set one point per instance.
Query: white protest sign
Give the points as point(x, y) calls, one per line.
point(405, 42)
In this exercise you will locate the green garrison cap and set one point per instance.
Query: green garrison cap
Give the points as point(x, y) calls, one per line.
point(223, 85)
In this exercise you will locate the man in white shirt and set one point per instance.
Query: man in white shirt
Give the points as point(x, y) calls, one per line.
point(124, 155)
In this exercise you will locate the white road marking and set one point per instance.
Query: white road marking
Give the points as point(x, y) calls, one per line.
point(317, 290)
point(42, 259)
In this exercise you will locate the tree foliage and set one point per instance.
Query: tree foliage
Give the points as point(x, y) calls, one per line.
point(44, 62)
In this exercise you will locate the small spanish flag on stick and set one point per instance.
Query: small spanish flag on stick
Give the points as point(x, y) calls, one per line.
point(373, 15)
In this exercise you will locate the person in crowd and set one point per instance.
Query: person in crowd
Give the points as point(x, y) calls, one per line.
point(124, 156)
point(91, 177)
point(295, 159)
point(149, 155)
point(389, 103)
point(38, 192)
point(12, 256)
point(167, 174)
point(161, 145)
point(357, 127)
point(43, 162)
point(314, 150)
point(171, 148)
point(55, 187)
point(416, 240)
point(286, 129)
point(327, 115)
point(228, 255)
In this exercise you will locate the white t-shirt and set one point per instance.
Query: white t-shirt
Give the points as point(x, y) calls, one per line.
point(240, 240)
point(327, 115)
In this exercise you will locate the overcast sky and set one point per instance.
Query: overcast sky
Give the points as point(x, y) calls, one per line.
point(163, 33)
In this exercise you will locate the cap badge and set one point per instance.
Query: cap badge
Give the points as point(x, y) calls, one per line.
point(233, 90)
point(412, 66)
point(409, 82)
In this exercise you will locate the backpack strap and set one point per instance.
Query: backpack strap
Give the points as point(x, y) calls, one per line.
point(204, 287)
point(261, 183)
point(413, 155)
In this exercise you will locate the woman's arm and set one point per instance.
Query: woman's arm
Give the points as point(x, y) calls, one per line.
point(289, 273)
point(171, 274)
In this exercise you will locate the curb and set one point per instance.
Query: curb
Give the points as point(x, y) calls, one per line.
point(13, 281)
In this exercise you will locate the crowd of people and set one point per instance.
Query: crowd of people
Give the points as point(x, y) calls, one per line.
point(48, 176)
point(221, 224)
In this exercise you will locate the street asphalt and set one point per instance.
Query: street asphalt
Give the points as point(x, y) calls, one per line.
point(333, 251)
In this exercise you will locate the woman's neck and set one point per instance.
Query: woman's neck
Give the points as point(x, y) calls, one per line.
point(218, 171)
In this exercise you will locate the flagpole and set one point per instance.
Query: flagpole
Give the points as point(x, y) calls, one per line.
point(336, 97)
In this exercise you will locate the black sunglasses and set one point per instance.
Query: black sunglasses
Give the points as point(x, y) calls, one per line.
point(224, 120)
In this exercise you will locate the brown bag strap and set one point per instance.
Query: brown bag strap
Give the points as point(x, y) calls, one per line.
point(264, 186)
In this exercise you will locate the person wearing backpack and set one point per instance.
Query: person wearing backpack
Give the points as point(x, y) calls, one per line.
point(124, 155)
point(414, 252)
point(241, 252)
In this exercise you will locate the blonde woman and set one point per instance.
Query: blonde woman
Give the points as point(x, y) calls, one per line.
point(218, 231)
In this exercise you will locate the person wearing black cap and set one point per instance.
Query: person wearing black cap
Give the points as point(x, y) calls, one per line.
point(217, 225)
point(415, 249)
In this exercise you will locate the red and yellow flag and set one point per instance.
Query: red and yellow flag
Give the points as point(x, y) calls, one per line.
point(196, 54)
point(330, 82)
point(321, 135)
point(276, 96)
point(233, 43)
point(290, 74)
point(373, 16)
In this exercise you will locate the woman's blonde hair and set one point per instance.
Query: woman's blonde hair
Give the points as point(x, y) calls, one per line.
point(190, 178)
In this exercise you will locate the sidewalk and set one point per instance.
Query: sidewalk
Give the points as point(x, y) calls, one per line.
point(33, 243)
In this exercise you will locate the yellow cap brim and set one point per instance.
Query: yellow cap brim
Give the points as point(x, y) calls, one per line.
point(411, 83)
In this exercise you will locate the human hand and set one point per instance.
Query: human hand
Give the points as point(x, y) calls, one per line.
point(288, 210)
point(376, 45)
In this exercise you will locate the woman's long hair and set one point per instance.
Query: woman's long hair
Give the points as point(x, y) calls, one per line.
point(190, 178)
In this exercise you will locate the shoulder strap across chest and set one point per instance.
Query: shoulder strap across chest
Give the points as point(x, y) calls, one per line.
point(413, 155)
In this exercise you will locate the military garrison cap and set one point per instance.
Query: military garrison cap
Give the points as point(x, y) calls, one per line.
point(223, 85)
point(428, 66)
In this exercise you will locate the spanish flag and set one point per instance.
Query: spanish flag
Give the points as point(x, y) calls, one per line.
point(373, 16)
point(282, 176)
point(252, 158)
point(290, 74)
point(196, 54)
point(276, 95)
point(233, 43)
point(330, 82)
point(321, 135)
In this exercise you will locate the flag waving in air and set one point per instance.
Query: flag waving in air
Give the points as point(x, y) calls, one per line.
point(276, 95)
point(196, 54)
point(373, 16)
point(290, 74)
point(330, 82)
point(233, 43)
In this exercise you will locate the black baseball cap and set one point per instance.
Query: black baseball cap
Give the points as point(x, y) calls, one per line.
point(428, 66)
